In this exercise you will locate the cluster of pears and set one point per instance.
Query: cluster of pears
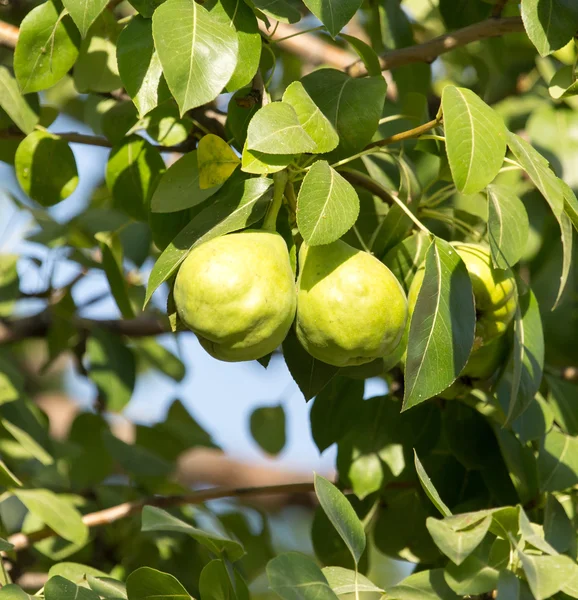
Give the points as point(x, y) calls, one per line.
point(238, 294)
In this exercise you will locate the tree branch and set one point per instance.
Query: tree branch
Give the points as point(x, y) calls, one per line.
point(8, 35)
point(38, 325)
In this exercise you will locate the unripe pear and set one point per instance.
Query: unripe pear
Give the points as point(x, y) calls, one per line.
point(485, 361)
point(237, 293)
point(351, 309)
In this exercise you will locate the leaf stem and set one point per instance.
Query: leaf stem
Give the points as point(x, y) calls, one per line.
point(301, 32)
point(279, 182)
point(406, 135)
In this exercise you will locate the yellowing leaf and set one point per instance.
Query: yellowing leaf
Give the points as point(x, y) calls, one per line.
point(216, 160)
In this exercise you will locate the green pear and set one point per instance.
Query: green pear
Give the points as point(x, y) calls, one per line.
point(351, 309)
point(237, 293)
point(485, 361)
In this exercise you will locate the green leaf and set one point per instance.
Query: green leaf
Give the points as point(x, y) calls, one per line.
point(47, 48)
point(149, 584)
point(13, 592)
point(280, 10)
point(532, 535)
point(112, 257)
point(527, 361)
point(139, 66)
point(28, 443)
point(475, 139)
point(240, 203)
point(563, 84)
point(55, 512)
point(310, 374)
point(534, 422)
point(74, 572)
point(160, 358)
point(84, 12)
point(429, 489)
point(135, 460)
point(132, 174)
point(567, 241)
point(558, 462)
point(539, 171)
point(217, 161)
point(107, 587)
point(59, 588)
point(563, 400)
point(441, 332)
point(155, 519)
point(550, 24)
point(15, 104)
point(240, 18)
point(547, 575)
point(458, 544)
point(260, 163)
point(511, 587)
point(294, 576)
point(112, 368)
point(96, 69)
point(570, 204)
point(425, 585)
point(334, 14)
point(558, 529)
point(327, 205)
point(366, 53)
point(345, 581)
point(165, 125)
point(146, 7)
point(407, 257)
point(46, 168)
point(335, 408)
point(7, 478)
point(275, 129)
point(179, 187)
point(9, 284)
point(508, 226)
point(215, 583)
point(313, 121)
point(197, 50)
point(342, 516)
point(339, 98)
point(267, 426)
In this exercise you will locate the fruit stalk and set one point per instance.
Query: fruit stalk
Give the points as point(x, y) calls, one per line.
point(279, 181)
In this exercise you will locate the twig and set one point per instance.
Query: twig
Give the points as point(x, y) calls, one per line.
point(405, 135)
point(8, 35)
point(499, 8)
point(429, 51)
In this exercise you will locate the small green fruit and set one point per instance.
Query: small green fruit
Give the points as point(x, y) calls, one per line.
point(237, 293)
point(351, 309)
point(485, 361)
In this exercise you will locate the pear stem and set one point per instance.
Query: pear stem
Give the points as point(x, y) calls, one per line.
point(279, 181)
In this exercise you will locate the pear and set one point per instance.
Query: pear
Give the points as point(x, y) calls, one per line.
point(237, 293)
point(350, 309)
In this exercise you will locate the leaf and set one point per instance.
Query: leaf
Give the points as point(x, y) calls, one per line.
point(530, 534)
point(342, 516)
point(313, 121)
point(563, 399)
point(74, 572)
point(557, 462)
point(345, 581)
point(508, 226)
point(55, 512)
point(280, 10)
point(327, 205)
point(84, 12)
point(13, 592)
point(563, 85)
point(310, 374)
point(366, 53)
point(335, 408)
point(239, 17)
point(546, 575)
point(441, 332)
point(46, 168)
point(334, 14)
point(47, 48)
point(429, 488)
point(405, 258)
point(179, 187)
point(139, 66)
point(457, 545)
point(160, 358)
point(539, 172)
point(133, 171)
point(9, 284)
point(28, 443)
point(264, 164)
point(570, 204)
point(155, 519)
point(339, 98)
point(425, 585)
point(96, 69)
point(135, 460)
point(558, 529)
point(112, 368)
point(294, 576)
point(8, 479)
point(216, 161)
point(275, 129)
point(107, 587)
point(149, 584)
point(475, 139)
point(146, 7)
point(527, 361)
point(59, 588)
point(550, 24)
point(240, 203)
point(217, 583)
point(267, 426)
point(512, 588)
point(567, 240)
point(198, 52)
point(15, 104)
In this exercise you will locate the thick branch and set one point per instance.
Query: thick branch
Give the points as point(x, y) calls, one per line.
point(38, 325)
point(429, 51)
